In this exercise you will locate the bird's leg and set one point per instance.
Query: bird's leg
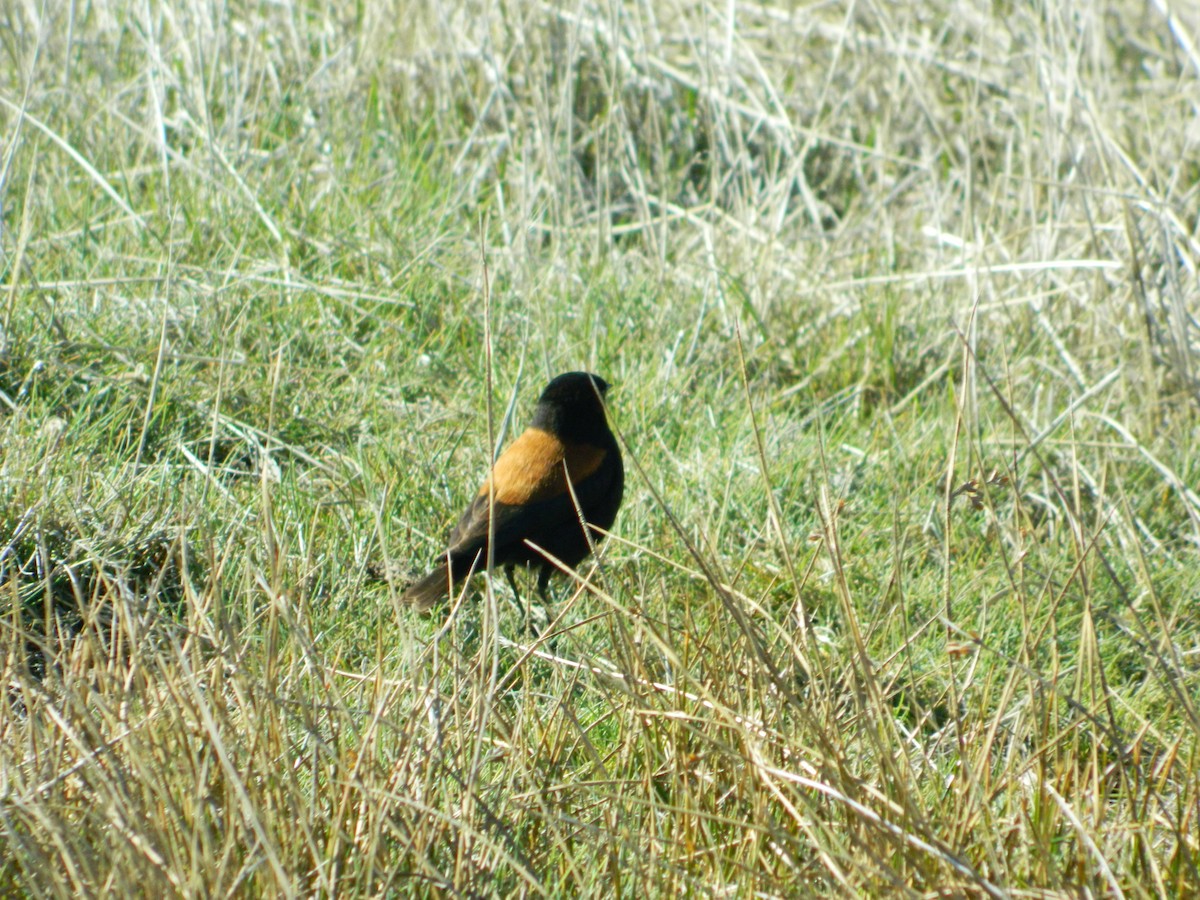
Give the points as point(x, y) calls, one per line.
point(512, 583)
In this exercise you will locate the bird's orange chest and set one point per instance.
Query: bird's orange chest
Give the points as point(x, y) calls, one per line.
point(536, 465)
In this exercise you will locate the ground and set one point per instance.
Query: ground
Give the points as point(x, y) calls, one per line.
point(898, 302)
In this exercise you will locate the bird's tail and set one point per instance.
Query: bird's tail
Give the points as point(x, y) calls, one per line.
point(425, 593)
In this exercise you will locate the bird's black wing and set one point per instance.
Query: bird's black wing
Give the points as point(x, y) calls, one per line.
point(538, 520)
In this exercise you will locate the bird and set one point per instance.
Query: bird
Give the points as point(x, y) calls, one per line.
point(565, 466)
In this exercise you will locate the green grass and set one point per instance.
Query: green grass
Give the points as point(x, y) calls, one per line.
point(899, 301)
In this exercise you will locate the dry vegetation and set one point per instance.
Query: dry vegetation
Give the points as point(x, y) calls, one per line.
point(900, 302)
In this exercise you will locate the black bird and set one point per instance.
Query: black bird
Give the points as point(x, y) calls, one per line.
point(567, 449)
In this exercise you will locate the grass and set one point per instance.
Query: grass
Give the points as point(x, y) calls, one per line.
point(899, 302)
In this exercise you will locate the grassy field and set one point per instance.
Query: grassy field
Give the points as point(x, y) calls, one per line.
point(899, 301)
